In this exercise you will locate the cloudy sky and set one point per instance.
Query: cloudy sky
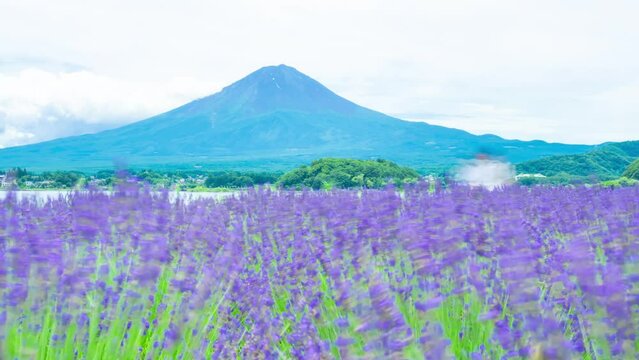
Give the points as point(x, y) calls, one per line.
point(557, 70)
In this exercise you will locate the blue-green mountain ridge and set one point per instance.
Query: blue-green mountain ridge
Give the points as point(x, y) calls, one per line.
point(605, 161)
point(275, 118)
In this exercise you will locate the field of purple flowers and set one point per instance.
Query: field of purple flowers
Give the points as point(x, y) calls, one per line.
point(424, 272)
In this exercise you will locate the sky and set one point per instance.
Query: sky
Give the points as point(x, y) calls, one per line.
point(556, 70)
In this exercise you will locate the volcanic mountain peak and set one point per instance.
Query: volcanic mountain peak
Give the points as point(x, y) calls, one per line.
point(280, 78)
point(277, 88)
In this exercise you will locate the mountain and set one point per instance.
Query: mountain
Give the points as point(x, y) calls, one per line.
point(275, 118)
point(632, 171)
point(605, 161)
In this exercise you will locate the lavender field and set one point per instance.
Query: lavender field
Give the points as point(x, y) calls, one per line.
point(465, 273)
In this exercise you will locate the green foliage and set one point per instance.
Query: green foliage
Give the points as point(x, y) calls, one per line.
point(191, 180)
point(18, 172)
point(530, 181)
point(347, 173)
point(239, 179)
point(632, 171)
point(56, 179)
point(621, 182)
point(561, 178)
point(63, 179)
point(605, 162)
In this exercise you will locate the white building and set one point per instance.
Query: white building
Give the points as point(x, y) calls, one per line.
point(5, 181)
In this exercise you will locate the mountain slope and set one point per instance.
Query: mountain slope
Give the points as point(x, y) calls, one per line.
point(632, 171)
point(605, 161)
point(275, 118)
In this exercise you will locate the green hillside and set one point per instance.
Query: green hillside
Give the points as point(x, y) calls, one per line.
point(347, 173)
point(632, 171)
point(606, 161)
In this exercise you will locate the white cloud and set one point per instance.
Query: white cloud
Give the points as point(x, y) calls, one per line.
point(11, 136)
point(37, 105)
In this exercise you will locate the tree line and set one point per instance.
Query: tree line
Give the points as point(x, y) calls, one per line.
point(325, 173)
point(320, 174)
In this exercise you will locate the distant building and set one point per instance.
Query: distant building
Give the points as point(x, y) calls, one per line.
point(6, 181)
point(95, 182)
